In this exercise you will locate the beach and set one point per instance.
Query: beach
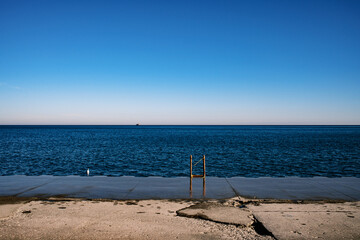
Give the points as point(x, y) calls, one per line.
point(236, 218)
point(74, 207)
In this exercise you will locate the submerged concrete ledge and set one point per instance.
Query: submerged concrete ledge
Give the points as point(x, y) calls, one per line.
point(127, 187)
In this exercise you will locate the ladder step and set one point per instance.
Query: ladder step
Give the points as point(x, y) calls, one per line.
point(197, 176)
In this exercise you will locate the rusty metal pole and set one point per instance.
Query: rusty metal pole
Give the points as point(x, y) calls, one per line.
point(191, 176)
point(204, 176)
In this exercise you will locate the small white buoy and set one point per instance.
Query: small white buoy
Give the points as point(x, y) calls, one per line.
point(88, 171)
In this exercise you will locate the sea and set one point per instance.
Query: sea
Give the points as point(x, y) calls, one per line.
point(245, 151)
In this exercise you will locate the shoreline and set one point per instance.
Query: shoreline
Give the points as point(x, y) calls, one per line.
point(74, 207)
point(152, 176)
point(234, 218)
point(122, 188)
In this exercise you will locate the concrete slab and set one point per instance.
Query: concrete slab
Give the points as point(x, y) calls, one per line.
point(178, 188)
point(17, 184)
point(295, 188)
point(86, 187)
point(218, 213)
point(347, 186)
point(160, 188)
point(214, 184)
point(310, 221)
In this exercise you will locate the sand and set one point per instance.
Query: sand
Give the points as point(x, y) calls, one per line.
point(159, 219)
point(78, 219)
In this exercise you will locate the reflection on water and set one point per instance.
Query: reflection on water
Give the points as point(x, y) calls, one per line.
point(204, 188)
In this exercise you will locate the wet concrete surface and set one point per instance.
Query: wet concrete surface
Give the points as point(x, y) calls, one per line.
point(290, 188)
point(295, 188)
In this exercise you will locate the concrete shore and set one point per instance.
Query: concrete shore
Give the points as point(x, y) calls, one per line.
point(73, 207)
point(122, 188)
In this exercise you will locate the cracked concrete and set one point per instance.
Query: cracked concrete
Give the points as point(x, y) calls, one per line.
point(310, 221)
point(313, 220)
point(219, 213)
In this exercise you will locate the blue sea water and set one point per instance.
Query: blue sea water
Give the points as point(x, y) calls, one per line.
point(249, 151)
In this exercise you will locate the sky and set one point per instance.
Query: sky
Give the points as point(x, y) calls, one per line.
point(180, 62)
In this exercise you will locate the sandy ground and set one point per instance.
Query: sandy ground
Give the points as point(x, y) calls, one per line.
point(150, 219)
point(158, 219)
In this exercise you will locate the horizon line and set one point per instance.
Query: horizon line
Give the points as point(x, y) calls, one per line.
point(136, 125)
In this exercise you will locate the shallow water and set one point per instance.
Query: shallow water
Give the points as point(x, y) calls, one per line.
point(250, 151)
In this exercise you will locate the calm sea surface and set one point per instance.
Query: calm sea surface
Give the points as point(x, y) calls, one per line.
point(250, 151)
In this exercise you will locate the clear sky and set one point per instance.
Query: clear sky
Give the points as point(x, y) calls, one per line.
point(180, 62)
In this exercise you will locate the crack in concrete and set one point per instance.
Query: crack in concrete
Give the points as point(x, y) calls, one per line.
point(255, 224)
point(32, 188)
point(132, 189)
point(261, 229)
point(233, 189)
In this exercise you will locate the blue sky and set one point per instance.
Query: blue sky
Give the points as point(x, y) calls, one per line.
point(180, 62)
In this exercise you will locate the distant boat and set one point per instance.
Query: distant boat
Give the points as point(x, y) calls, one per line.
point(138, 124)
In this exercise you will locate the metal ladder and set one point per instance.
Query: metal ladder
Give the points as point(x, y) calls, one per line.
point(203, 176)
